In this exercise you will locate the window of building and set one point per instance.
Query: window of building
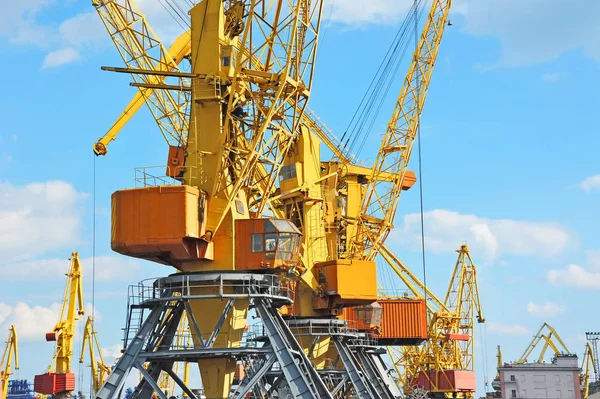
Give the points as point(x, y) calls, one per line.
point(514, 393)
point(512, 378)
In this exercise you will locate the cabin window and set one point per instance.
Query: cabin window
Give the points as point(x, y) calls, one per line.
point(514, 393)
point(270, 246)
point(376, 315)
point(287, 172)
point(512, 377)
point(257, 242)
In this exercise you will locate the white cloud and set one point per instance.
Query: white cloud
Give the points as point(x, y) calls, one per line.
point(83, 29)
point(590, 184)
point(58, 58)
point(548, 309)
point(112, 351)
point(552, 77)
point(575, 276)
point(16, 13)
point(32, 323)
point(108, 268)
point(444, 230)
point(359, 12)
point(507, 329)
point(534, 31)
point(37, 218)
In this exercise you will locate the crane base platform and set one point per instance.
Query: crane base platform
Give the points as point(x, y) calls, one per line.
point(276, 364)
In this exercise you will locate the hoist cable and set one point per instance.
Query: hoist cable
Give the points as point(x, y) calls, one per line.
point(364, 117)
point(420, 159)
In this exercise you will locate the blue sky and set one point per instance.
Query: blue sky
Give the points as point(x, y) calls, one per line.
point(510, 160)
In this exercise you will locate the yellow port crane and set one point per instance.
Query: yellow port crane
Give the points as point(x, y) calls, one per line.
point(550, 339)
point(11, 351)
point(59, 381)
point(100, 370)
point(587, 365)
point(230, 173)
point(444, 365)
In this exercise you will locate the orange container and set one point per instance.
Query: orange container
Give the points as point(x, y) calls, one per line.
point(403, 322)
point(162, 224)
point(447, 381)
point(52, 383)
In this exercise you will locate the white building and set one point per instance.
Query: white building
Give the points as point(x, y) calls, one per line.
point(559, 379)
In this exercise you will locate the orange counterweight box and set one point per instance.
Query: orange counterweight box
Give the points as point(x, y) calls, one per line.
point(164, 224)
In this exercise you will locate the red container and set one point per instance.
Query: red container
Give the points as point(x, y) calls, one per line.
point(403, 322)
point(52, 383)
point(447, 381)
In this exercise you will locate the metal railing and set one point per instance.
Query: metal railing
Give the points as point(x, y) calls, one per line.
point(160, 175)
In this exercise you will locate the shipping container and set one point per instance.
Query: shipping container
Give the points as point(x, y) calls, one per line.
point(403, 321)
point(447, 380)
point(52, 383)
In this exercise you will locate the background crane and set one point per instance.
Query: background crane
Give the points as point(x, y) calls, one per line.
point(588, 363)
point(59, 381)
point(99, 369)
point(549, 340)
point(449, 349)
point(11, 350)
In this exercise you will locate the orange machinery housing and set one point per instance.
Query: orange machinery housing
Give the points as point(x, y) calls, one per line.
point(165, 224)
point(400, 321)
point(266, 243)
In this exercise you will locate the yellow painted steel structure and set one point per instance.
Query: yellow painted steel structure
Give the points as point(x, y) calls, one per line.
point(240, 116)
point(71, 310)
point(451, 326)
point(11, 351)
point(381, 198)
point(548, 341)
point(587, 364)
point(99, 369)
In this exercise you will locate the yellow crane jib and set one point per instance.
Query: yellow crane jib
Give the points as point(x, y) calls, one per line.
point(381, 198)
point(587, 364)
point(445, 363)
point(59, 381)
point(548, 341)
point(100, 370)
point(11, 351)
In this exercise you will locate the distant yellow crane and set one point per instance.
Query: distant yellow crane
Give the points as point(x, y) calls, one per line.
point(100, 370)
point(548, 341)
point(444, 365)
point(587, 364)
point(59, 381)
point(11, 349)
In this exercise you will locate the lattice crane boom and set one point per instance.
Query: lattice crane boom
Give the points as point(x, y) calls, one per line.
point(11, 351)
point(548, 340)
point(100, 370)
point(381, 198)
point(140, 49)
point(588, 364)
